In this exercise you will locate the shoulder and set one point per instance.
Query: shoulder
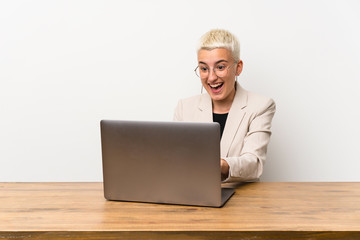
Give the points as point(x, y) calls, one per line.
point(187, 108)
point(191, 104)
point(257, 99)
point(258, 103)
point(191, 101)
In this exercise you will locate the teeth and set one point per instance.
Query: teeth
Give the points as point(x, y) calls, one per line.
point(215, 85)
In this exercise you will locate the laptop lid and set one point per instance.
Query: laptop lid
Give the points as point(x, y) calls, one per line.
point(162, 162)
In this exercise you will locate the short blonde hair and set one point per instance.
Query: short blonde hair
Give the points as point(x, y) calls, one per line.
point(219, 38)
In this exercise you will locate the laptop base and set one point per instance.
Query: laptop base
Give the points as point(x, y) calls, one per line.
point(226, 193)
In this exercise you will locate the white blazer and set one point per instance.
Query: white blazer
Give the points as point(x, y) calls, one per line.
point(246, 134)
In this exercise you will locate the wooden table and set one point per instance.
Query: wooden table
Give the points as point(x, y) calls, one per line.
point(262, 210)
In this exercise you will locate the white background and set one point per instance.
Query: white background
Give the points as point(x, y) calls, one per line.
point(65, 65)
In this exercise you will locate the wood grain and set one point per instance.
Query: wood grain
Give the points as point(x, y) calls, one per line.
point(260, 210)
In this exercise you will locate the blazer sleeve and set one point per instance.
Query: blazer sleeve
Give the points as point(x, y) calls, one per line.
point(248, 166)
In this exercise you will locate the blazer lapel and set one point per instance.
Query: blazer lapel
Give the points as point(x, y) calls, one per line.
point(205, 109)
point(234, 119)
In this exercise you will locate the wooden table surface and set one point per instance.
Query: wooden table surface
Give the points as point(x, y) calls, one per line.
point(262, 210)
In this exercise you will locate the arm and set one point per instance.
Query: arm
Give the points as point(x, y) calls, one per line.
point(249, 164)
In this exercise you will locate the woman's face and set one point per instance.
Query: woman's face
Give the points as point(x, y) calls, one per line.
point(219, 85)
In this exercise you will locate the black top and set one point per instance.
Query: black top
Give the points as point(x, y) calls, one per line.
point(221, 119)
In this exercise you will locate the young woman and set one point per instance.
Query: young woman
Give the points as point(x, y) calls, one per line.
point(244, 117)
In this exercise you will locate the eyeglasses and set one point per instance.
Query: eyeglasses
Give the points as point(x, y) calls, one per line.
point(220, 70)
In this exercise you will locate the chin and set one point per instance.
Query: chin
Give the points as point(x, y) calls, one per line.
point(217, 97)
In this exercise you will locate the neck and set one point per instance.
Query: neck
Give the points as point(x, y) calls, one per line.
point(224, 105)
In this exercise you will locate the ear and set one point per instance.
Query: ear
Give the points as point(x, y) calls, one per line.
point(239, 67)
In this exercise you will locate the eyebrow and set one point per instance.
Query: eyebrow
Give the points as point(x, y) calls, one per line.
point(223, 60)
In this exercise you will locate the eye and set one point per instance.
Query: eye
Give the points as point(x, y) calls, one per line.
point(221, 67)
point(203, 69)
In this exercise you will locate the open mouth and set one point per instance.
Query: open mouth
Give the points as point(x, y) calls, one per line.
point(216, 86)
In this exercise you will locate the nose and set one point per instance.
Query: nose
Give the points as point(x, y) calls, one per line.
point(212, 76)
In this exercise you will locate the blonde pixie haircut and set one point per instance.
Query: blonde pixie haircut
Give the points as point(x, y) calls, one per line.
point(219, 38)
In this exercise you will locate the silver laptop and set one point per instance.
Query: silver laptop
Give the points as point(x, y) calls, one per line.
point(162, 162)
